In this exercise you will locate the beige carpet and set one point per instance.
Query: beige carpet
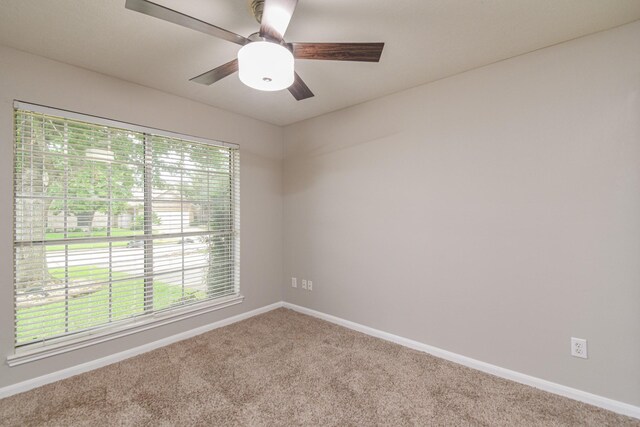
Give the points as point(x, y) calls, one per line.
point(285, 368)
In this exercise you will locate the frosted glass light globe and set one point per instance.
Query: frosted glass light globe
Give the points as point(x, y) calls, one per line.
point(265, 65)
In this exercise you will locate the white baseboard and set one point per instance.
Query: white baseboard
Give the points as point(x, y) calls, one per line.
point(117, 357)
point(572, 393)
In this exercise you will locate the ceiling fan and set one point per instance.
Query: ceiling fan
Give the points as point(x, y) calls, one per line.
point(265, 61)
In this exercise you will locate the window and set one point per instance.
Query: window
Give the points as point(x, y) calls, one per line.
point(115, 222)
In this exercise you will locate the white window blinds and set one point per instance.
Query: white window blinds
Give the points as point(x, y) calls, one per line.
point(114, 222)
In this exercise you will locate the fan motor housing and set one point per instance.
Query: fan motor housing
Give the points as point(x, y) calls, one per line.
point(256, 37)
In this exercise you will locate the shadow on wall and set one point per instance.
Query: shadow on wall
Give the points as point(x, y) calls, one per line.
point(306, 165)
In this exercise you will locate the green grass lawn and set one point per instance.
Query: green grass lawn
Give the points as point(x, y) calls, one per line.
point(115, 232)
point(127, 300)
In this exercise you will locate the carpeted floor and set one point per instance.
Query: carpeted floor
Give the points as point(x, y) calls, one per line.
point(285, 368)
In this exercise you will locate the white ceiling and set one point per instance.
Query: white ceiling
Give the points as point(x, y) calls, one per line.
point(425, 40)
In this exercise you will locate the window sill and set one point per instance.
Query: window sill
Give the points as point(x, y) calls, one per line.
point(44, 350)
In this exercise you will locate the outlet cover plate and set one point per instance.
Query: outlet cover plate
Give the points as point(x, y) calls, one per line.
point(579, 347)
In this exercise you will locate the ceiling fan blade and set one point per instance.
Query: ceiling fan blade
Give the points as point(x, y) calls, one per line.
point(365, 52)
point(218, 73)
point(276, 15)
point(170, 15)
point(299, 89)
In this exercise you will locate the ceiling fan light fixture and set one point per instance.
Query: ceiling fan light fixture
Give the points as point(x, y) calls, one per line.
point(265, 65)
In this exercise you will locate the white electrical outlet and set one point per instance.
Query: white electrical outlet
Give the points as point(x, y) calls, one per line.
point(579, 347)
point(294, 282)
point(304, 283)
point(309, 285)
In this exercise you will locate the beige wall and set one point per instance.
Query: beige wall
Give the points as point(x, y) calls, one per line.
point(38, 80)
point(494, 214)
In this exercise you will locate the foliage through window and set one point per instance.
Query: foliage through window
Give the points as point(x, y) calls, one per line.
point(116, 222)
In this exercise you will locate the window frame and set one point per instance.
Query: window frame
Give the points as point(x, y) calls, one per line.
point(42, 349)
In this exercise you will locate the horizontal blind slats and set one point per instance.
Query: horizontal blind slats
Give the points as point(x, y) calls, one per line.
point(82, 259)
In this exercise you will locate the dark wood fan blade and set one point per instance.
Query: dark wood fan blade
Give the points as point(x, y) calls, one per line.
point(218, 73)
point(299, 89)
point(170, 15)
point(366, 52)
point(276, 15)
